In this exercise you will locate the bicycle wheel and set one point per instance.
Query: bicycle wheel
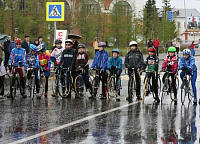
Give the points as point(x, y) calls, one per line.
point(183, 95)
point(55, 85)
point(42, 86)
point(29, 85)
point(95, 86)
point(111, 88)
point(163, 92)
point(145, 88)
point(79, 86)
point(13, 86)
point(159, 84)
point(190, 92)
point(7, 82)
point(65, 87)
point(177, 82)
point(131, 88)
point(33, 87)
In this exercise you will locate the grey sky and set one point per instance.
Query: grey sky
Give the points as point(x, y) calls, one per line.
point(180, 4)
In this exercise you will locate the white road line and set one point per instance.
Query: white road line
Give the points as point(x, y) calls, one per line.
point(73, 123)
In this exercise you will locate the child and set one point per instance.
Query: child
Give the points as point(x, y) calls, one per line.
point(115, 67)
point(188, 67)
point(44, 63)
point(134, 59)
point(151, 63)
point(32, 61)
point(100, 62)
point(68, 60)
point(57, 52)
point(2, 75)
point(81, 62)
point(171, 65)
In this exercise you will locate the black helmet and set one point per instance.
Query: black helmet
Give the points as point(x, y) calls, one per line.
point(81, 46)
point(58, 41)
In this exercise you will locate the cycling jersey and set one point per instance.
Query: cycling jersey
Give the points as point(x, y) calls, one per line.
point(151, 63)
point(189, 63)
point(32, 60)
point(17, 54)
point(115, 62)
point(57, 53)
point(100, 60)
point(44, 61)
point(68, 58)
point(170, 63)
point(81, 60)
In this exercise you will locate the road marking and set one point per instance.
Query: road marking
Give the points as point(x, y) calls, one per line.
point(73, 123)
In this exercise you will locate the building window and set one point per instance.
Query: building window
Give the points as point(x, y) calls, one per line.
point(122, 8)
point(179, 24)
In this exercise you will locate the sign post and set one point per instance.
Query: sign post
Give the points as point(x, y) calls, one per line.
point(55, 12)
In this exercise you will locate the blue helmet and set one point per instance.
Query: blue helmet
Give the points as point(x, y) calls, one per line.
point(33, 47)
point(186, 52)
point(115, 50)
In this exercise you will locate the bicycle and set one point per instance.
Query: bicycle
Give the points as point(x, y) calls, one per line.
point(15, 83)
point(148, 88)
point(132, 87)
point(62, 84)
point(7, 81)
point(167, 88)
point(31, 86)
point(114, 86)
point(96, 83)
point(186, 88)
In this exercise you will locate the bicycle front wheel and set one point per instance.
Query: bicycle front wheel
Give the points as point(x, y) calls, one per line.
point(7, 82)
point(190, 92)
point(79, 86)
point(42, 86)
point(183, 95)
point(131, 88)
point(145, 89)
point(111, 88)
point(65, 87)
point(95, 86)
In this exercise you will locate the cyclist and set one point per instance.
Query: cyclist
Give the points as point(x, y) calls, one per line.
point(45, 64)
point(81, 62)
point(2, 76)
point(115, 66)
point(134, 59)
point(57, 52)
point(187, 65)
point(100, 62)
point(170, 64)
point(32, 61)
point(17, 55)
point(68, 60)
point(152, 64)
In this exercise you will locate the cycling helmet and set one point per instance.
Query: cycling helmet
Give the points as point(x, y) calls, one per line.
point(18, 40)
point(40, 48)
point(151, 49)
point(33, 47)
point(69, 41)
point(101, 44)
point(81, 46)
point(186, 52)
point(58, 41)
point(115, 50)
point(133, 43)
point(171, 49)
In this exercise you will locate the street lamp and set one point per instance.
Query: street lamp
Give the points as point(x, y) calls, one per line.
point(185, 16)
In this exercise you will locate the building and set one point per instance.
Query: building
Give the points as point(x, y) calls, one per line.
point(188, 23)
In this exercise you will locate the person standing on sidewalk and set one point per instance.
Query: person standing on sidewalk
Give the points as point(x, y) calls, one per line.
point(150, 43)
point(95, 45)
point(192, 49)
point(6, 51)
point(26, 44)
point(177, 45)
point(156, 44)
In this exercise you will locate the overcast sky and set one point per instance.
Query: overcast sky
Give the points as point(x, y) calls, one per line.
point(180, 4)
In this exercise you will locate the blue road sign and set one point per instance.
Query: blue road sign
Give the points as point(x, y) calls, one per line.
point(170, 15)
point(55, 11)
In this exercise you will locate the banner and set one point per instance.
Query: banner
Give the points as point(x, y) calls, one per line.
point(61, 35)
point(193, 24)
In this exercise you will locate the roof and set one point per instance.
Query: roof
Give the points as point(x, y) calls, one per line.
point(180, 13)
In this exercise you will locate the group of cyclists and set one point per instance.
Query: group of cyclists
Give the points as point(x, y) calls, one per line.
point(76, 61)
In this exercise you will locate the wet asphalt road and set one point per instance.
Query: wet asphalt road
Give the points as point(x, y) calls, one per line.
point(120, 122)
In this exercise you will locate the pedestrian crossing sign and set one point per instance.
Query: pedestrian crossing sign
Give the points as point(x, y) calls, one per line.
point(55, 11)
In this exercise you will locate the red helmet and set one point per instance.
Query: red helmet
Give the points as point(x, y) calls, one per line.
point(18, 40)
point(151, 49)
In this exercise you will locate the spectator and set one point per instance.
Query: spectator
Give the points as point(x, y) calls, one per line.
point(11, 45)
point(26, 44)
point(95, 45)
point(177, 45)
point(150, 43)
point(6, 50)
point(40, 38)
point(156, 44)
point(192, 49)
point(2, 74)
point(36, 42)
point(75, 45)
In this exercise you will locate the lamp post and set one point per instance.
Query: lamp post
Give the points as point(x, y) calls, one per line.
point(185, 16)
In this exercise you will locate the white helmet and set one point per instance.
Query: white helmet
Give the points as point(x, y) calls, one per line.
point(132, 43)
point(69, 41)
point(186, 51)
